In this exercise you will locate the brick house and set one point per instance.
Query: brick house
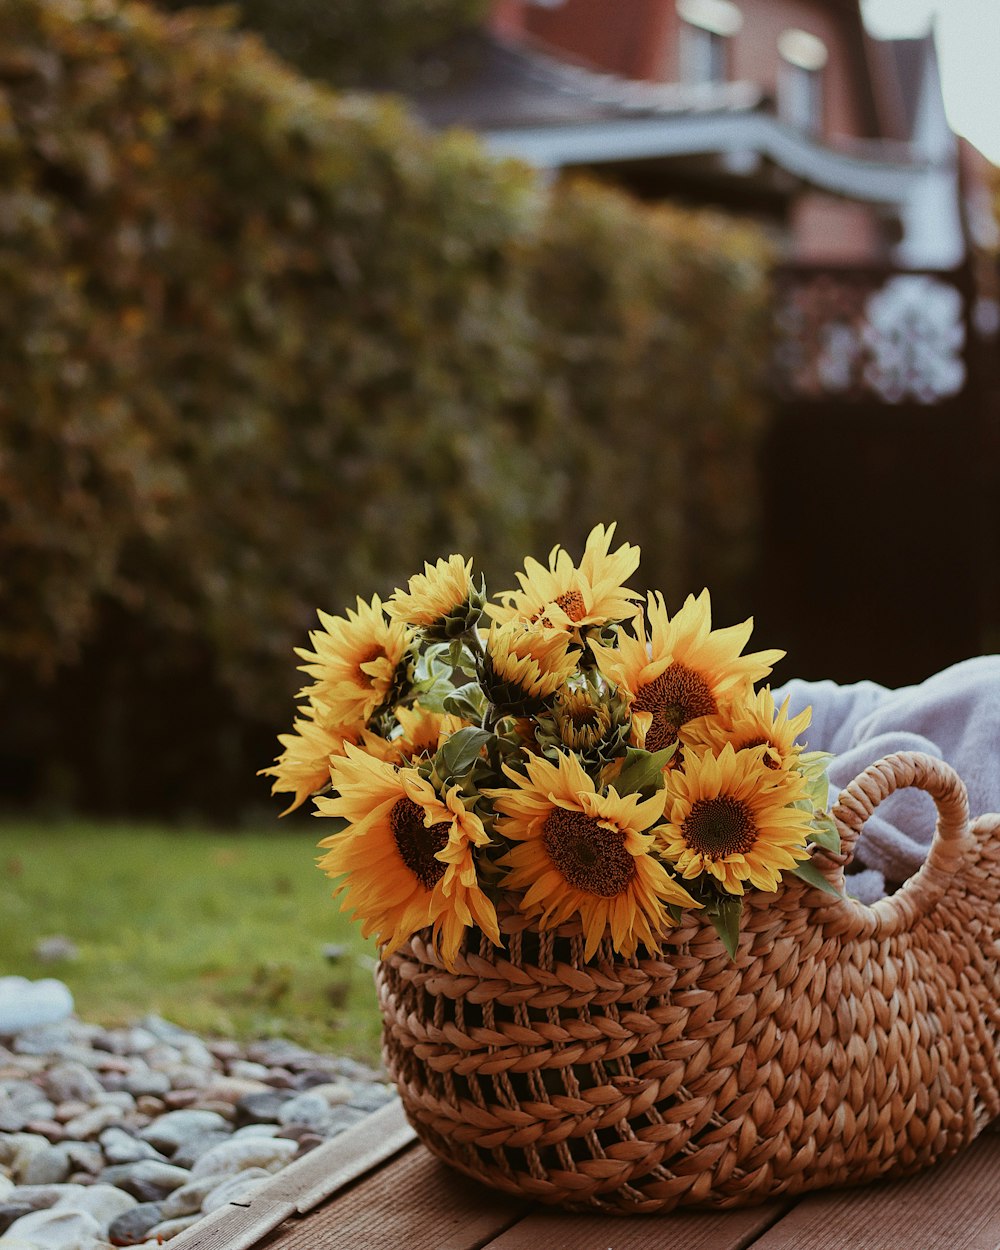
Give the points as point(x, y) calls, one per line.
point(784, 110)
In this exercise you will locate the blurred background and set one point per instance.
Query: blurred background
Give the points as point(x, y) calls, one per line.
point(296, 295)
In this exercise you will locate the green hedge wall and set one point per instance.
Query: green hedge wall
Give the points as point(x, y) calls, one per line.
point(265, 347)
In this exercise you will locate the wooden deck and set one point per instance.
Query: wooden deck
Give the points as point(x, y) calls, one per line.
point(376, 1188)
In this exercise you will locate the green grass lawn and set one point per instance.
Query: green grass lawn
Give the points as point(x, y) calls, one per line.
point(222, 933)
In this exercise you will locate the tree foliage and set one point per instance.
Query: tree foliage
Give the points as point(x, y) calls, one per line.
point(266, 348)
point(350, 42)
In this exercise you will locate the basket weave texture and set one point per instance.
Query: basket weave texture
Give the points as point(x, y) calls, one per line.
point(844, 1043)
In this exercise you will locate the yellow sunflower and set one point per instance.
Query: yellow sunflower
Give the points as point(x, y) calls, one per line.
point(423, 731)
point(444, 590)
point(525, 664)
point(584, 853)
point(565, 597)
point(355, 660)
point(682, 669)
point(753, 723)
point(303, 767)
point(406, 855)
point(729, 815)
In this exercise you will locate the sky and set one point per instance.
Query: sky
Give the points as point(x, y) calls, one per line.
point(968, 42)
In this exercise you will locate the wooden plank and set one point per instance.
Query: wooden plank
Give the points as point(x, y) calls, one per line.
point(335, 1164)
point(415, 1202)
point(956, 1204)
point(688, 1230)
point(303, 1184)
point(234, 1227)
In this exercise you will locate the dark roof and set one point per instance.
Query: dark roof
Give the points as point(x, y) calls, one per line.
point(486, 83)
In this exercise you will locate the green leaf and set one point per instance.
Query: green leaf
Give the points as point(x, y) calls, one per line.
point(809, 873)
point(642, 770)
point(467, 701)
point(459, 754)
point(461, 658)
point(824, 832)
point(725, 916)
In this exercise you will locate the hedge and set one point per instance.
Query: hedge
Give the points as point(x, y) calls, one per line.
point(266, 347)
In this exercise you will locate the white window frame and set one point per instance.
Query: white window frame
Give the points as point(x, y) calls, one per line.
point(800, 81)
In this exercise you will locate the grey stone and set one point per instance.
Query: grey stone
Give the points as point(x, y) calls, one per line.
point(147, 1180)
point(258, 1130)
point(371, 1097)
point(120, 1146)
point(84, 1156)
point(22, 1148)
point(119, 1098)
point(29, 1006)
point(92, 1122)
point(275, 1052)
point(57, 1229)
point(56, 949)
point(270, 1153)
point(262, 1108)
point(188, 1199)
point(133, 1225)
point(73, 1081)
point(176, 1127)
point(355, 1071)
point(38, 1197)
point(309, 1108)
point(188, 1153)
point(104, 1202)
point(333, 1092)
point(245, 1070)
point(46, 1167)
point(147, 1082)
point(11, 1211)
point(231, 1089)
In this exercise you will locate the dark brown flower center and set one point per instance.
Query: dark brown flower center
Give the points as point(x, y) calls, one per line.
point(374, 653)
point(588, 855)
point(769, 755)
point(418, 843)
point(719, 827)
point(678, 695)
point(573, 605)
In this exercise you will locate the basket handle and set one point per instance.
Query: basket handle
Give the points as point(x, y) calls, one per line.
point(952, 836)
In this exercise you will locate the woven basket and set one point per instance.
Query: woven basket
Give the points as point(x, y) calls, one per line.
point(846, 1042)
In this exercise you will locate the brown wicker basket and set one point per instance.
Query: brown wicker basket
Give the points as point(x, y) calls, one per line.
point(846, 1042)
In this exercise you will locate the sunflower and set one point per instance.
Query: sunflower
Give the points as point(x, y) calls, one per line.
point(584, 853)
point(683, 669)
point(406, 855)
point(754, 723)
point(303, 767)
point(565, 597)
point(730, 816)
point(356, 661)
point(442, 601)
point(524, 665)
point(423, 731)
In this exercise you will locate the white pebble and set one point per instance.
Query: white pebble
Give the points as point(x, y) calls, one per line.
point(57, 1230)
point(270, 1153)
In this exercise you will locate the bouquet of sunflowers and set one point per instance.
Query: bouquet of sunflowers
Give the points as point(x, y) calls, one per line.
point(570, 751)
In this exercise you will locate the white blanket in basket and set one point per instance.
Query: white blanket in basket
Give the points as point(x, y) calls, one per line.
point(954, 715)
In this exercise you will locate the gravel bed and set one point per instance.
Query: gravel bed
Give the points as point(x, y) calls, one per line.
point(126, 1137)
